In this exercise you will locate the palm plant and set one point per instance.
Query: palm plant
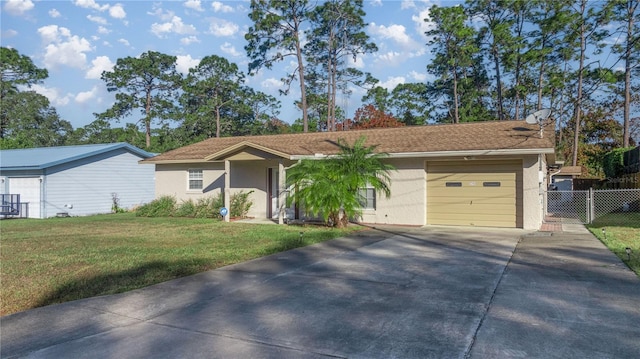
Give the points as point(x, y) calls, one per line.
point(330, 187)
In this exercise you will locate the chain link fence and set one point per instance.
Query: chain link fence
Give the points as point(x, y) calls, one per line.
point(568, 206)
point(624, 203)
point(587, 206)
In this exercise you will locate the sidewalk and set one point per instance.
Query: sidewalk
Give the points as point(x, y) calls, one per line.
point(555, 224)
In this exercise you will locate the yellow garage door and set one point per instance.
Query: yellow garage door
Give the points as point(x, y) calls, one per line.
point(474, 193)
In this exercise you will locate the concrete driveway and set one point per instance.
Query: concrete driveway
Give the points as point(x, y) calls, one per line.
point(431, 292)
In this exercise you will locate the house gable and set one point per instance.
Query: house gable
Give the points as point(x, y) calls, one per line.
point(244, 151)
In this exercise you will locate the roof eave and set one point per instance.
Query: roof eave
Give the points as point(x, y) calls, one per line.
point(80, 156)
point(151, 161)
point(433, 154)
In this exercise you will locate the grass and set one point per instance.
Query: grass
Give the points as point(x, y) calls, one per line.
point(621, 231)
point(61, 259)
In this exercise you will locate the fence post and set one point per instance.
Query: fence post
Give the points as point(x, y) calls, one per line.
point(591, 207)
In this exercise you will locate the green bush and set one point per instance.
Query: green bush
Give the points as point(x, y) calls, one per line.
point(240, 204)
point(208, 207)
point(186, 209)
point(613, 162)
point(164, 206)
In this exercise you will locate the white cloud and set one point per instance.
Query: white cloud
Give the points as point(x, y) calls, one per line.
point(407, 4)
point(194, 5)
point(164, 15)
point(103, 30)
point(376, 3)
point(83, 97)
point(391, 58)
point(9, 33)
point(392, 82)
point(98, 65)
point(53, 94)
point(54, 13)
point(124, 42)
point(117, 12)
point(97, 19)
point(418, 76)
point(358, 63)
point(175, 26)
point(185, 62)
point(18, 7)
point(271, 83)
point(90, 4)
point(220, 7)
point(394, 32)
point(229, 49)
point(63, 48)
point(219, 27)
point(423, 26)
point(189, 40)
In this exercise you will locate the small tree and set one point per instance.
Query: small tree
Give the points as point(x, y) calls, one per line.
point(330, 187)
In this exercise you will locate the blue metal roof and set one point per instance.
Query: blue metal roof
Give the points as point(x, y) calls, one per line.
point(44, 157)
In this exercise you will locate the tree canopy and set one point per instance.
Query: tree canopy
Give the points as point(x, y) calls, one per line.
point(490, 60)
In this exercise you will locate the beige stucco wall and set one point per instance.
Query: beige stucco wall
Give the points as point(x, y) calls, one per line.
point(407, 204)
point(247, 176)
point(173, 180)
point(532, 194)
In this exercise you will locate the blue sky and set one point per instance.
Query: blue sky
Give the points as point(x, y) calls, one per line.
point(75, 40)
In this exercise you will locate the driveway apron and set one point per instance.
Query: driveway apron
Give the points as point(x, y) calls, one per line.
point(383, 293)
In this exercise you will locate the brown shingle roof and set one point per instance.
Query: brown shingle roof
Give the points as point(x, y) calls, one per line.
point(494, 135)
point(571, 171)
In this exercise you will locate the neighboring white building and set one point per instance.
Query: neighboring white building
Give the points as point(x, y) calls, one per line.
point(76, 180)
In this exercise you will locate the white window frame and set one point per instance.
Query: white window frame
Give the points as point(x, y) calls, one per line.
point(195, 174)
point(369, 201)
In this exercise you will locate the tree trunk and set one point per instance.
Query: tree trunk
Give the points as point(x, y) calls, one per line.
point(578, 108)
point(329, 107)
point(217, 122)
point(147, 120)
point(496, 60)
point(334, 90)
point(303, 91)
point(456, 113)
point(627, 73)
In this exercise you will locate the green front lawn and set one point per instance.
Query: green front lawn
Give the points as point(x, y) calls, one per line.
point(621, 231)
point(61, 259)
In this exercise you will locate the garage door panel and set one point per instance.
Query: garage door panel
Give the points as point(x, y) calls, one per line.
point(471, 193)
point(479, 193)
point(465, 168)
point(476, 207)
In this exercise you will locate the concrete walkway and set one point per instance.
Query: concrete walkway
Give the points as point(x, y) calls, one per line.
point(431, 292)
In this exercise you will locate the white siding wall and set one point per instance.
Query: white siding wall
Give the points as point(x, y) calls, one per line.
point(85, 187)
point(35, 208)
